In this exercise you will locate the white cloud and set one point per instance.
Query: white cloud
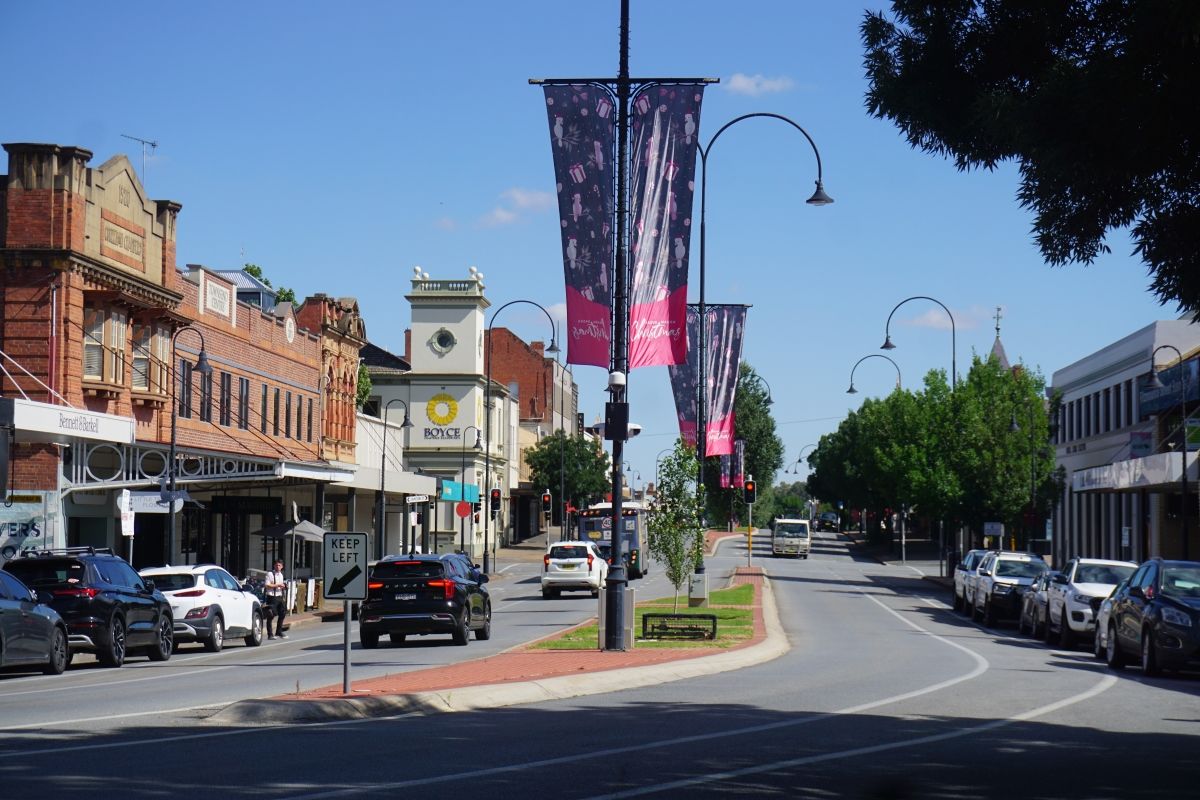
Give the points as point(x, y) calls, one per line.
point(755, 85)
point(516, 203)
point(445, 224)
point(558, 311)
point(498, 216)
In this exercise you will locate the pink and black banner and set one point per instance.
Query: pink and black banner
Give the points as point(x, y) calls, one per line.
point(738, 479)
point(666, 121)
point(582, 135)
point(724, 331)
point(726, 472)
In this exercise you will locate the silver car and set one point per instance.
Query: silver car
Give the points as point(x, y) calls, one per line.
point(1100, 640)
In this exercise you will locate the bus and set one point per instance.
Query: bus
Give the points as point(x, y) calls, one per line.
point(595, 525)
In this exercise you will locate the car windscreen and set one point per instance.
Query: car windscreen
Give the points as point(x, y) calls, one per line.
point(1020, 569)
point(1102, 573)
point(47, 572)
point(1181, 581)
point(390, 570)
point(792, 529)
point(172, 582)
point(568, 551)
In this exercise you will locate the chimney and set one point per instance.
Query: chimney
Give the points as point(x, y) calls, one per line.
point(539, 348)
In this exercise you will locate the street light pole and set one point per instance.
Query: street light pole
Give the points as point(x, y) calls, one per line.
point(381, 501)
point(462, 496)
point(887, 336)
point(487, 411)
point(205, 369)
point(852, 390)
point(819, 198)
point(1155, 382)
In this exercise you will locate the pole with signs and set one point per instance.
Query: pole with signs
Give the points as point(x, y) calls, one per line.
point(345, 571)
point(125, 501)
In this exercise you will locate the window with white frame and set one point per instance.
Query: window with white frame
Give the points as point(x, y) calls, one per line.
point(104, 337)
point(149, 363)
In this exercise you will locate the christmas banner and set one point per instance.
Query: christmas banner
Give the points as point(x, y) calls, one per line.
point(724, 329)
point(739, 464)
point(582, 136)
point(726, 472)
point(666, 120)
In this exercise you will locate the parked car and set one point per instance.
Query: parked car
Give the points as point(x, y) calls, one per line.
point(1100, 640)
point(209, 605)
point(1157, 615)
point(573, 566)
point(425, 594)
point(32, 634)
point(828, 521)
point(1033, 605)
point(109, 609)
point(962, 571)
point(1002, 578)
point(1075, 596)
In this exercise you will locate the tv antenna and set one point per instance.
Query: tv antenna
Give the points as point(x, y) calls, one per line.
point(144, 142)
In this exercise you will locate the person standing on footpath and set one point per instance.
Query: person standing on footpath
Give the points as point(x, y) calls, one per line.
point(276, 588)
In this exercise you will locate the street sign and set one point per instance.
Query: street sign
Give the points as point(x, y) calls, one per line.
point(463, 509)
point(415, 499)
point(456, 490)
point(125, 502)
point(345, 566)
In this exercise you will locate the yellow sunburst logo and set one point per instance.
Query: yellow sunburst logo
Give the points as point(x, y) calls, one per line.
point(441, 409)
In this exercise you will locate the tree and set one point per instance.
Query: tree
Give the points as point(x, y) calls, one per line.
point(581, 463)
point(784, 500)
point(364, 386)
point(1095, 101)
point(282, 294)
point(675, 519)
point(764, 451)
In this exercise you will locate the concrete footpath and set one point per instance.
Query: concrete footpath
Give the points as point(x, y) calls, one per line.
point(521, 675)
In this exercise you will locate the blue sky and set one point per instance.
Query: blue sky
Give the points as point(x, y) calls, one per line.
point(337, 145)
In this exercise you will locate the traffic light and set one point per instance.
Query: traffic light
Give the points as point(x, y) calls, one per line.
point(495, 500)
point(477, 506)
point(751, 490)
point(547, 502)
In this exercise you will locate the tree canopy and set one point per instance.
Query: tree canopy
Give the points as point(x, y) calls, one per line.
point(1095, 101)
point(582, 463)
point(282, 294)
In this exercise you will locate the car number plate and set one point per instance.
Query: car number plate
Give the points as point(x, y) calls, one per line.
point(566, 566)
point(406, 596)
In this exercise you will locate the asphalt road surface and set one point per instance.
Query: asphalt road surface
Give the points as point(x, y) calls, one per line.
point(885, 694)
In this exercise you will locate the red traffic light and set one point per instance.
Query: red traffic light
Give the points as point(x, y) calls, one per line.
point(750, 490)
point(495, 500)
point(547, 502)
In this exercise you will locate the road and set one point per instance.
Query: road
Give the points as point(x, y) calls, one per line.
point(885, 693)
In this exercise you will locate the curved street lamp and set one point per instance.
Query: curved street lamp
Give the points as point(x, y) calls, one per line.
point(205, 369)
point(852, 390)
point(487, 413)
point(754, 376)
point(1155, 382)
point(887, 336)
point(462, 497)
point(819, 198)
point(381, 503)
point(795, 470)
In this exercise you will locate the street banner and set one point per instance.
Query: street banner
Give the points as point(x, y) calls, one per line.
point(666, 120)
point(739, 463)
point(582, 137)
point(726, 472)
point(724, 328)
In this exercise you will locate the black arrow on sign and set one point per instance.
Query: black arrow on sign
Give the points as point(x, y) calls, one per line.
point(339, 584)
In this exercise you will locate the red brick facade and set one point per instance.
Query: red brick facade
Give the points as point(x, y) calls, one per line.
point(342, 336)
point(525, 364)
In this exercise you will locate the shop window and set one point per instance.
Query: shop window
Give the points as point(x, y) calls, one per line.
point(244, 403)
point(206, 397)
point(185, 388)
point(226, 409)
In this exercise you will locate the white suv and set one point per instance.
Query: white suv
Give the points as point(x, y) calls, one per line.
point(1001, 580)
point(570, 566)
point(1075, 596)
point(208, 605)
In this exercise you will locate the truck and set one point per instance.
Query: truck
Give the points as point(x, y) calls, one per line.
point(791, 537)
point(595, 525)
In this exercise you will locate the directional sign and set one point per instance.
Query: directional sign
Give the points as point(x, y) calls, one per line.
point(416, 499)
point(345, 565)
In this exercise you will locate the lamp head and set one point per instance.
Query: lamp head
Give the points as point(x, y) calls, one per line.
point(887, 343)
point(1013, 425)
point(407, 420)
point(852, 390)
point(202, 365)
point(819, 198)
point(478, 442)
point(1154, 382)
point(553, 348)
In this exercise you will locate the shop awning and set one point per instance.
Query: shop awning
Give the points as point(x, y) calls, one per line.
point(1157, 473)
point(302, 530)
point(34, 421)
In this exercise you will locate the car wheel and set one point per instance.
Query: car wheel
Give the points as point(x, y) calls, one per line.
point(1066, 637)
point(957, 602)
point(1021, 623)
point(1150, 666)
point(58, 654)
point(1048, 628)
point(1036, 629)
point(216, 636)
point(1098, 644)
point(255, 637)
point(546, 594)
point(369, 641)
point(164, 641)
point(397, 638)
point(112, 654)
point(484, 632)
point(1112, 649)
point(989, 614)
point(462, 631)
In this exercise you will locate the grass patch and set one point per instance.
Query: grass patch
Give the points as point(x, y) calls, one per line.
point(734, 625)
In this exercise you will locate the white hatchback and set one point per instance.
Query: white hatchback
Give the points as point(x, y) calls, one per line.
point(208, 605)
point(573, 566)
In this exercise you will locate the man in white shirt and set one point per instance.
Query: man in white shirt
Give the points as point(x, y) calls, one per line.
point(276, 589)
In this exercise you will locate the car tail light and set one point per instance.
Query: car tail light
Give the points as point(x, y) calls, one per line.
point(589, 562)
point(190, 593)
point(197, 613)
point(1150, 593)
point(546, 561)
point(374, 584)
point(447, 587)
point(80, 592)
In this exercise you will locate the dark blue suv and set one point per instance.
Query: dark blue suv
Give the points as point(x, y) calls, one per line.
point(423, 594)
point(109, 609)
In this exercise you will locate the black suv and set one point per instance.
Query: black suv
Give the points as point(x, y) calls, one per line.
point(424, 594)
point(109, 609)
point(1156, 615)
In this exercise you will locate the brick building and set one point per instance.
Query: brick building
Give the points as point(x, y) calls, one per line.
point(94, 309)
